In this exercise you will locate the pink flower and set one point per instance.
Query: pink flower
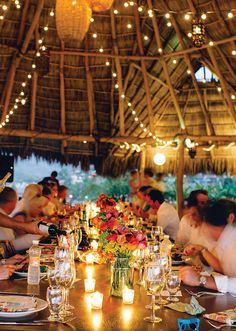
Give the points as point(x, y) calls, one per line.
point(142, 245)
point(121, 239)
point(112, 237)
point(140, 236)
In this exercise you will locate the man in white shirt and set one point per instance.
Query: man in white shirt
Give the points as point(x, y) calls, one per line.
point(167, 216)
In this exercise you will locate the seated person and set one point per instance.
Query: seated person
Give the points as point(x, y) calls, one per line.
point(8, 200)
point(50, 208)
point(139, 205)
point(60, 201)
point(165, 214)
point(31, 191)
point(191, 228)
point(220, 219)
point(148, 178)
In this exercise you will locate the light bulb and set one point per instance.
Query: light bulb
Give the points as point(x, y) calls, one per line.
point(136, 119)
point(129, 104)
point(114, 74)
point(46, 28)
point(159, 159)
point(52, 13)
point(211, 43)
point(230, 15)
point(29, 76)
point(167, 15)
point(101, 50)
point(129, 26)
point(107, 63)
point(189, 72)
point(203, 16)
point(234, 52)
point(160, 50)
point(190, 35)
point(116, 11)
point(233, 97)
point(145, 38)
point(126, 4)
point(133, 112)
point(168, 24)
point(95, 35)
point(186, 17)
point(4, 7)
point(140, 9)
point(174, 61)
point(91, 19)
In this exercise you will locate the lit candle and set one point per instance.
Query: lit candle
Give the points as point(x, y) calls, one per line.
point(89, 285)
point(128, 296)
point(96, 300)
point(89, 271)
point(90, 258)
point(94, 245)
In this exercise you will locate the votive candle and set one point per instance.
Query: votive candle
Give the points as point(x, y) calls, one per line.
point(94, 245)
point(89, 285)
point(90, 258)
point(96, 300)
point(128, 296)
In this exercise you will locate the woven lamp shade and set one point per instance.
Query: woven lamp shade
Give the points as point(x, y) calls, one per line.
point(72, 19)
point(100, 5)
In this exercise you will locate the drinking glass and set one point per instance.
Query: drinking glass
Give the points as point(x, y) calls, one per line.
point(154, 279)
point(156, 233)
point(65, 277)
point(55, 299)
point(61, 254)
point(140, 262)
point(51, 276)
point(163, 262)
point(172, 285)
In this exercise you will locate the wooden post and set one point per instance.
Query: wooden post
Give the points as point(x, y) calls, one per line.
point(90, 92)
point(180, 178)
point(142, 162)
point(62, 99)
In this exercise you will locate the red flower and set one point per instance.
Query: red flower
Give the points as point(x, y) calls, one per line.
point(112, 237)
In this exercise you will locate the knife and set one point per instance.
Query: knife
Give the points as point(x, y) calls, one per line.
point(22, 323)
point(16, 293)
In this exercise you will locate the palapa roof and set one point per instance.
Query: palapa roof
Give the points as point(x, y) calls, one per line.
point(77, 100)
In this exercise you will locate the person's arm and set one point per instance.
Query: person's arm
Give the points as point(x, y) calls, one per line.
point(191, 277)
point(7, 222)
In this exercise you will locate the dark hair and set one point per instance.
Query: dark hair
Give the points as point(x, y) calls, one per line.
point(46, 191)
point(156, 195)
point(192, 199)
point(133, 172)
point(143, 189)
point(7, 195)
point(159, 175)
point(217, 214)
point(54, 174)
point(62, 188)
point(148, 172)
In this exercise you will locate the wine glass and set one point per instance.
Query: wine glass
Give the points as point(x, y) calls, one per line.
point(139, 260)
point(55, 299)
point(163, 262)
point(172, 285)
point(154, 282)
point(65, 277)
point(61, 253)
point(156, 233)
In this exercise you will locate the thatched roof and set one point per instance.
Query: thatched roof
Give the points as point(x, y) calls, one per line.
point(76, 101)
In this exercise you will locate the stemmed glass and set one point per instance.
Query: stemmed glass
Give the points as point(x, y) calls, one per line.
point(140, 262)
point(163, 262)
point(55, 299)
point(65, 277)
point(154, 278)
point(156, 233)
point(172, 285)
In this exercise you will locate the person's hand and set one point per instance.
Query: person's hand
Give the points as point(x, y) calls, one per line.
point(16, 259)
point(192, 250)
point(189, 276)
point(32, 227)
point(6, 271)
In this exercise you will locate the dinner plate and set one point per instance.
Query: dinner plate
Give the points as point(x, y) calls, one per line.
point(41, 305)
point(24, 274)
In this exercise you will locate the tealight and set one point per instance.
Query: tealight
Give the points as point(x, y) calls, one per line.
point(89, 285)
point(90, 258)
point(94, 245)
point(96, 300)
point(128, 296)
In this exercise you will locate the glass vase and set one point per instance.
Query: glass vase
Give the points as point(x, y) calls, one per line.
point(122, 275)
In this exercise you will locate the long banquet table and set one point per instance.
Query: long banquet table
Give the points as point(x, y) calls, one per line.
point(115, 315)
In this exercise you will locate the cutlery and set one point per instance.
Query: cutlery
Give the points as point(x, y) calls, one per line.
point(201, 293)
point(218, 327)
point(22, 323)
point(60, 322)
point(16, 293)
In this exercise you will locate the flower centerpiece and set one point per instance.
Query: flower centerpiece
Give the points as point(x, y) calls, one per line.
point(117, 242)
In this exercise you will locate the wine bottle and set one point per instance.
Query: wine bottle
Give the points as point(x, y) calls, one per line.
point(50, 229)
point(4, 180)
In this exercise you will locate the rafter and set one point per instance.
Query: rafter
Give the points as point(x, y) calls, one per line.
point(119, 76)
point(165, 69)
point(17, 58)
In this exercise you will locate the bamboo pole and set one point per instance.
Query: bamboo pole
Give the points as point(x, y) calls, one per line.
point(165, 69)
point(119, 75)
point(145, 58)
point(144, 69)
point(34, 86)
point(62, 99)
point(90, 92)
point(142, 162)
point(114, 140)
point(180, 178)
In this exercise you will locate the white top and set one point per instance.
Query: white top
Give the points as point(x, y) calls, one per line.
point(168, 219)
point(196, 235)
point(225, 284)
point(6, 233)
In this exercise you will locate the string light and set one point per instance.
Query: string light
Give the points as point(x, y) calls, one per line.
point(233, 52)
point(5, 8)
point(230, 15)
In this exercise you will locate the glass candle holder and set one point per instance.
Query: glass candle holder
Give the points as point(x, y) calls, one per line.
point(90, 258)
point(94, 245)
point(128, 296)
point(96, 300)
point(89, 285)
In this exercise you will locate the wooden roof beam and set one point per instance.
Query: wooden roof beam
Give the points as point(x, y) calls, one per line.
point(165, 69)
point(17, 59)
point(144, 69)
point(119, 75)
point(34, 87)
point(114, 140)
point(209, 127)
point(62, 99)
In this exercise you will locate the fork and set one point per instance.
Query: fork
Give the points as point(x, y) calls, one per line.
point(201, 293)
point(218, 327)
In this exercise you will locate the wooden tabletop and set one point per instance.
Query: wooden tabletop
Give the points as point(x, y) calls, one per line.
point(115, 315)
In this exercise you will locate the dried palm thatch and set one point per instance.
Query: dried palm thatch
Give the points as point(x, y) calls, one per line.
point(77, 102)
